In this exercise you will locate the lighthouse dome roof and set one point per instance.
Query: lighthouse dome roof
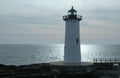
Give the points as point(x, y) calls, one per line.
point(72, 10)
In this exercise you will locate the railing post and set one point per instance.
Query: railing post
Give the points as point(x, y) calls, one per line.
point(100, 60)
point(96, 60)
point(110, 60)
point(105, 60)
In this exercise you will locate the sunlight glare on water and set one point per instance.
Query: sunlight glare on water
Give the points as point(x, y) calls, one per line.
point(88, 52)
point(17, 54)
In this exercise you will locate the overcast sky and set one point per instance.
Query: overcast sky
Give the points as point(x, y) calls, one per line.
point(40, 21)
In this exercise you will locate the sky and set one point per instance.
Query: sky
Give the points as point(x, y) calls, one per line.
point(41, 21)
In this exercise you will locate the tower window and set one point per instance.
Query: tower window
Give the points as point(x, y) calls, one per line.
point(69, 13)
point(77, 40)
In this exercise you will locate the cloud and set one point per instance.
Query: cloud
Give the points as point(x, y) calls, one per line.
point(41, 20)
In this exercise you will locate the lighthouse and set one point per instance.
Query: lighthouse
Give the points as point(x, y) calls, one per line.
point(72, 52)
point(72, 63)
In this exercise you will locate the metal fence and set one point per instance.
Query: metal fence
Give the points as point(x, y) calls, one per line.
point(106, 60)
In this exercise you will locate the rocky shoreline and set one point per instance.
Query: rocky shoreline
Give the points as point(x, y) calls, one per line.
point(26, 71)
point(43, 70)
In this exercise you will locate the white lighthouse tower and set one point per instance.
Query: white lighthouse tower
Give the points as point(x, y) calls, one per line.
point(72, 53)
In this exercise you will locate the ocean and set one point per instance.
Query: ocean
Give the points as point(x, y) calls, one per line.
point(22, 54)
